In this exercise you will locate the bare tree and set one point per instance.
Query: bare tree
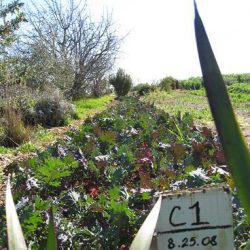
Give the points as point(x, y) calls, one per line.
point(71, 38)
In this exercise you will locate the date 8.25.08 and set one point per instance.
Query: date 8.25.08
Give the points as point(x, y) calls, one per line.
point(192, 242)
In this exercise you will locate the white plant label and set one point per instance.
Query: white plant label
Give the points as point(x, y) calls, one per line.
point(195, 220)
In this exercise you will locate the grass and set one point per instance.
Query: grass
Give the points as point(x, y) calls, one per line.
point(85, 106)
point(195, 103)
point(43, 136)
point(240, 96)
point(4, 150)
point(27, 147)
point(182, 101)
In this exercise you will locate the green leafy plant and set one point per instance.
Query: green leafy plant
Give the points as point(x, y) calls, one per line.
point(14, 130)
point(143, 238)
point(50, 110)
point(121, 82)
point(235, 149)
point(103, 176)
point(27, 147)
point(144, 88)
point(51, 170)
point(16, 239)
point(15, 236)
point(167, 83)
point(194, 83)
point(51, 238)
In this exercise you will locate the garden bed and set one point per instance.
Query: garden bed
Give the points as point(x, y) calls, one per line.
point(101, 178)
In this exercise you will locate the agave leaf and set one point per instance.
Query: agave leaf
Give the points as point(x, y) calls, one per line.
point(234, 146)
point(15, 235)
point(247, 247)
point(143, 238)
point(51, 239)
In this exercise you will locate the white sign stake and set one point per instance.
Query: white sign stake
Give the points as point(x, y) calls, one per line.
point(195, 220)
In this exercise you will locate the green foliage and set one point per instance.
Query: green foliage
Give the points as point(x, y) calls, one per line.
point(50, 110)
point(27, 147)
point(236, 78)
point(121, 82)
point(51, 239)
point(5, 150)
point(239, 88)
point(193, 83)
point(51, 170)
point(238, 158)
point(9, 25)
point(14, 130)
point(144, 88)
point(86, 105)
point(11, 18)
point(102, 177)
point(15, 235)
point(168, 83)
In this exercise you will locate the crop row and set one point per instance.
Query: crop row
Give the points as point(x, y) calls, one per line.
point(101, 178)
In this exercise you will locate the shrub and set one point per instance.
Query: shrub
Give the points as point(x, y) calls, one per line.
point(168, 83)
point(191, 83)
point(239, 88)
point(236, 78)
point(19, 97)
point(27, 147)
point(50, 110)
point(143, 88)
point(14, 131)
point(121, 82)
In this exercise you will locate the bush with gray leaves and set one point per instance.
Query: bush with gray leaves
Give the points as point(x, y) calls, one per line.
point(50, 110)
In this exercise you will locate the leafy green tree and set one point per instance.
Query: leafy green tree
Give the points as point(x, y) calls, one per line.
point(11, 18)
point(168, 83)
point(121, 82)
point(8, 23)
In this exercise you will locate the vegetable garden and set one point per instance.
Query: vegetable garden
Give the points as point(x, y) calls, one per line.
point(94, 188)
point(101, 178)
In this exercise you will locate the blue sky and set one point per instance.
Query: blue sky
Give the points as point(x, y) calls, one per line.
point(161, 37)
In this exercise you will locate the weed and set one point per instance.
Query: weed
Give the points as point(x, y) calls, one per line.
point(27, 147)
point(44, 134)
point(15, 132)
point(83, 106)
point(5, 150)
point(195, 102)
